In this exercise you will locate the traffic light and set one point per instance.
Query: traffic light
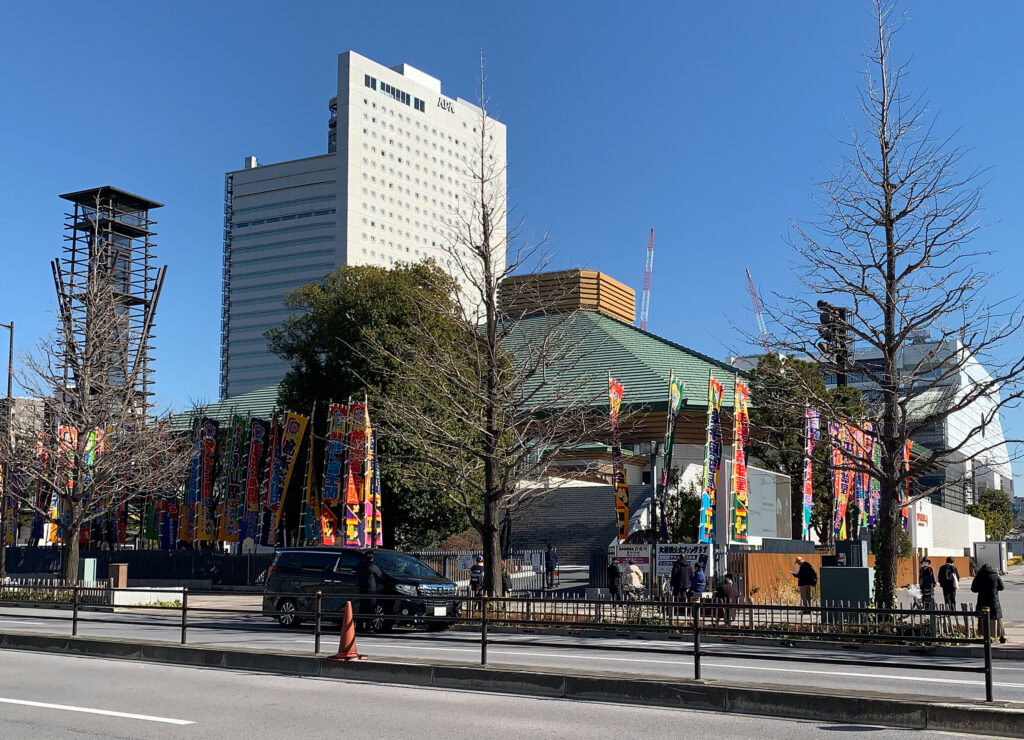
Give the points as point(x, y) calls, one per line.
point(835, 344)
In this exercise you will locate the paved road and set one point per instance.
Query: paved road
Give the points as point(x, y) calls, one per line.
point(73, 697)
point(571, 653)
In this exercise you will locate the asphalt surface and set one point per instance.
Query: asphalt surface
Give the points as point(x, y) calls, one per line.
point(51, 696)
point(252, 631)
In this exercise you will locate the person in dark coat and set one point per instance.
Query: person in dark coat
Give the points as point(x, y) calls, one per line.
point(949, 580)
point(615, 580)
point(987, 584)
point(551, 565)
point(682, 572)
point(806, 579)
point(369, 577)
point(926, 580)
point(726, 593)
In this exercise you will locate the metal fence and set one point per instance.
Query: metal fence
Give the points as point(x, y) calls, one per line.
point(219, 568)
point(524, 567)
point(688, 622)
point(33, 591)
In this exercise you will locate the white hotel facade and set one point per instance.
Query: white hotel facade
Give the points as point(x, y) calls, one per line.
point(386, 192)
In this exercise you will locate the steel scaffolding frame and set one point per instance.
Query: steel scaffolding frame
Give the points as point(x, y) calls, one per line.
point(109, 236)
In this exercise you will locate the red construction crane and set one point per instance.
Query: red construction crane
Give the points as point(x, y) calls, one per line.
point(765, 340)
point(645, 300)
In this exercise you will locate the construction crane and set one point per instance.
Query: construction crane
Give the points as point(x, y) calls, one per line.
point(765, 341)
point(645, 300)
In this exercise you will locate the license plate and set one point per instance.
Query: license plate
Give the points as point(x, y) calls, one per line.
point(440, 611)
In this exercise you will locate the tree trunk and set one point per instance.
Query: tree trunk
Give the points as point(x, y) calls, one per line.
point(491, 536)
point(70, 573)
point(887, 559)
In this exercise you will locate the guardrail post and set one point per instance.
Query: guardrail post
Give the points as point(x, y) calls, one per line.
point(986, 631)
point(696, 640)
point(483, 630)
point(184, 615)
point(316, 622)
point(75, 599)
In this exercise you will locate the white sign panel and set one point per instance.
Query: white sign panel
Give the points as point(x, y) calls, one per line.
point(639, 555)
point(693, 552)
point(464, 562)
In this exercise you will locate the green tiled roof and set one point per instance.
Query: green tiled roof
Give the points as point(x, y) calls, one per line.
point(641, 361)
point(261, 403)
point(598, 344)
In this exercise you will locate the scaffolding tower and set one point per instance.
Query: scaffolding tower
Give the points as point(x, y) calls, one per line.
point(109, 237)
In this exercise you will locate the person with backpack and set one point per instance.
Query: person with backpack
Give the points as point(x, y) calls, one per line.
point(806, 579)
point(476, 576)
point(926, 580)
point(949, 580)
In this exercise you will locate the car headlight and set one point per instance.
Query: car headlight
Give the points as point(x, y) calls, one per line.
point(406, 589)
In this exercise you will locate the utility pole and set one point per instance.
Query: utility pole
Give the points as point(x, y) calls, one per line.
point(9, 441)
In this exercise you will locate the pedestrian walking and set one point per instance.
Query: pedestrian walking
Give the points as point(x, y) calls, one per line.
point(926, 581)
point(806, 579)
point(987, 584)
point(679, 581)
point(368, 578)
point(476, 576)
point(551, 565)
point(949, 581)
point(726, 593)
point(615, 580)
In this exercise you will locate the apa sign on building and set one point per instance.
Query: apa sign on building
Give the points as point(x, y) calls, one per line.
point(693, 552)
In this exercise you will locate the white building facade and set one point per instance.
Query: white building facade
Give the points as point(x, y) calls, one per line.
point(946, 373)
point(391, 189)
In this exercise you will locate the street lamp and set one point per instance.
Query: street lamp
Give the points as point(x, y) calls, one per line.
point(9, 433)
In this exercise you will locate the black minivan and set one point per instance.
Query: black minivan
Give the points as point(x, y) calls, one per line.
point(297, 573)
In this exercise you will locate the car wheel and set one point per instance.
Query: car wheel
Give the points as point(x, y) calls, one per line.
point(288, 613)
point(378, 625)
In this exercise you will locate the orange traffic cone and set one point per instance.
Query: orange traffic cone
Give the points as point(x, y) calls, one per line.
point(347, 649)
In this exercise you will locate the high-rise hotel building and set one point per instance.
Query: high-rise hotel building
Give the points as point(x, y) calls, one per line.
point(387, 191)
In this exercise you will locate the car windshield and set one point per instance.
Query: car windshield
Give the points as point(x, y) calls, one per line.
point(396, 564)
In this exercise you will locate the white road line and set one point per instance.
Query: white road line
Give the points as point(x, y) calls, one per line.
point(604, 658)
point(106, 712)
point(17, 621)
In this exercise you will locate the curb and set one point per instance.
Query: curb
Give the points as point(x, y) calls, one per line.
point(999, 652)
point(999, 718)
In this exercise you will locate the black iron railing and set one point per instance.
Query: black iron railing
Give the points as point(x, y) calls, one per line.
point(694, 621)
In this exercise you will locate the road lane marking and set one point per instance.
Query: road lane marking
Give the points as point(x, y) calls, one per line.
point(105, 712)
point(491, 651)
point(18, 621)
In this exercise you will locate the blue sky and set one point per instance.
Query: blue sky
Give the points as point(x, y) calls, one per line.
point(709, 121)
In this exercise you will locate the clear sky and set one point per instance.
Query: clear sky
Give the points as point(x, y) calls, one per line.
point(710, 122)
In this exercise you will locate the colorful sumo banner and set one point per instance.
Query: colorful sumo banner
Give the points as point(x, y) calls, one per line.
point(712, 462)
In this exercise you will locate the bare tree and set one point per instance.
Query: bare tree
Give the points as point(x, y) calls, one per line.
point(97, 450)
point(508, 380)
point(891, 251)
